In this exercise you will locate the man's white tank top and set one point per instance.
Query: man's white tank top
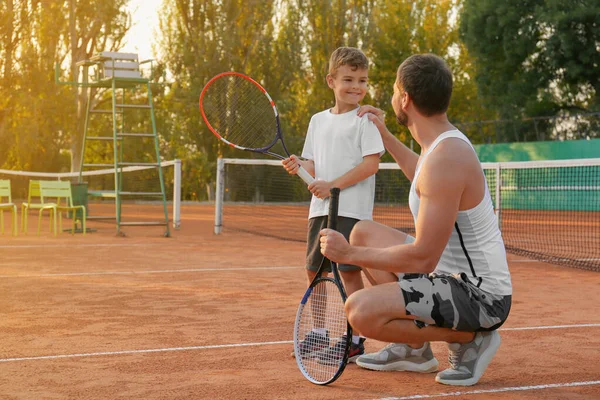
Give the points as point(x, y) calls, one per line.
point(475, 246)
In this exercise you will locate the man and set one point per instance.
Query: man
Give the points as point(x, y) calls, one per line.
point(451, 282)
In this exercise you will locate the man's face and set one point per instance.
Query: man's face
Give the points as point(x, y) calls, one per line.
point(399, 94)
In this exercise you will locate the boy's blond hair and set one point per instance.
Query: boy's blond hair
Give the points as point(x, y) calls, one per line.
point(351, 56)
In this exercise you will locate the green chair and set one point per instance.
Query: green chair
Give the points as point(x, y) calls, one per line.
point(60, 191)
point(9, 205)
point(34, 192)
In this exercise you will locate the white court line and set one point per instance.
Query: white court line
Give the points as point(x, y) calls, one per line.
point(498, 390)
point(530, 328)
point(550, 260)
point(112, 353)
point(71, 246)
point(224, 346)
point(164, 271)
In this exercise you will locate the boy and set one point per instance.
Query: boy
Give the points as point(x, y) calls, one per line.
point(341, 150)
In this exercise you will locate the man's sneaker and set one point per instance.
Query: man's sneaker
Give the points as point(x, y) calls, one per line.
point(400, 357)
point(468, 361)
point(335, 353)
point(312, 343)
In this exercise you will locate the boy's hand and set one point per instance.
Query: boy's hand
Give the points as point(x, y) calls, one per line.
point(320, 188)
point(376, 115)
point(291, 164)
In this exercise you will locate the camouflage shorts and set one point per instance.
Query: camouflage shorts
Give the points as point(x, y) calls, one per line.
point(452, 301)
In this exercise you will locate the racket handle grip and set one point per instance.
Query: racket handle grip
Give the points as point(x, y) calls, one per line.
point(306, 177)
point(334, 202)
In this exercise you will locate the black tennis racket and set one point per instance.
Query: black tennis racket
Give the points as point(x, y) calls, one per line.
point(322, 334)
point(240, 112)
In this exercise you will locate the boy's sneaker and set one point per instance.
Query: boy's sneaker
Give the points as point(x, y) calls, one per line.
point(335, 353)
point(312, 343)
point(400, 357)
point(468, 361)
point(356, 350)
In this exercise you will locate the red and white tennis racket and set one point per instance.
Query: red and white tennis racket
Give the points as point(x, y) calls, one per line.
point(240, 112)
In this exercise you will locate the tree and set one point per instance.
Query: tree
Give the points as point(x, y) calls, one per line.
point(93, 27)
point(40, 121)
point(201, 38)
point(286, 45)
point(534, 57)
point(399, 29)
point(31, 121)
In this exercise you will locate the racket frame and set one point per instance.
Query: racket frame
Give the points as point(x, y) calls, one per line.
point(303, 173)
point(331, 224)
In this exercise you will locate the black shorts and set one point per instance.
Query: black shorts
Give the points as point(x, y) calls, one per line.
point(313, 247)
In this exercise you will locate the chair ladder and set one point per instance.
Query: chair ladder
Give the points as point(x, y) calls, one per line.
point(123, 77)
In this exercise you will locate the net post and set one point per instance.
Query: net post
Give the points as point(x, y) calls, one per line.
point(498, 194)
point(177, 195)
point(219, 195)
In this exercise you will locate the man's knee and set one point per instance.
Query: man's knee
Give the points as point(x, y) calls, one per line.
point(356, 310)
point(360, 233)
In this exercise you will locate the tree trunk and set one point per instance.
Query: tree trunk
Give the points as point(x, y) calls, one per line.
point(8, 61)
point(9, 45)
point(80, 97)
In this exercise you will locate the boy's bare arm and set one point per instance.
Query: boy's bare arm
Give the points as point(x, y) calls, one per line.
point(368, 167)
point(405, 157)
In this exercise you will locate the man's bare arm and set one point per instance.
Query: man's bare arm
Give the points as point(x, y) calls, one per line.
point(404, 157)
point(441, 184)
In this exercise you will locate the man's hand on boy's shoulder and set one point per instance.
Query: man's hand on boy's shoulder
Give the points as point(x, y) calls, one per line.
point(375, 115)
point(320, 188)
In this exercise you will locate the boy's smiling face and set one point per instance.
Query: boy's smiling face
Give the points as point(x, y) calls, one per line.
point(349, 86)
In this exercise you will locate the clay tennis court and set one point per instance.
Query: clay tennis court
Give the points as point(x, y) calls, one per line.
point(210, 317)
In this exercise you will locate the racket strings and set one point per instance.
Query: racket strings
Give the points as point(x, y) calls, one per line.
point(240, 112)
point(322, 333)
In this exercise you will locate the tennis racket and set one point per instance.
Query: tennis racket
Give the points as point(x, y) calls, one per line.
point(240, 112)
point(322, 334)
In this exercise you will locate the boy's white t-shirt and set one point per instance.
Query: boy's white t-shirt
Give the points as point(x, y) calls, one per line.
point(337, 143)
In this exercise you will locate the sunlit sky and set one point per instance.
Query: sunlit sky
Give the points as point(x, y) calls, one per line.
point(142, 34)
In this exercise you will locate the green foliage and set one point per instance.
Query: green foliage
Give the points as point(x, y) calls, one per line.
point(511, 59)
point(285, 45)
point(41, 122)
point(30, 127)
point(534, 57)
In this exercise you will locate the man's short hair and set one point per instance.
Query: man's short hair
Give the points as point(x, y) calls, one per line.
point(428, 81)
point(350, 56)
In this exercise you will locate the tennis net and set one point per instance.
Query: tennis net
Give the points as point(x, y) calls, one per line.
point(136, 179)
point(547, 210)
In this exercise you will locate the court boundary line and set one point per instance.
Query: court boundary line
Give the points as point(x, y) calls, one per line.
point(75, 245)
point(549, 261)
point(497, 390)
point(170, 271)
point(164, 271)
point(233, 345)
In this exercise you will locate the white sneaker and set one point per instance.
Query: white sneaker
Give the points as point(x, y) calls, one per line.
point(400, 357)
point(469, 361)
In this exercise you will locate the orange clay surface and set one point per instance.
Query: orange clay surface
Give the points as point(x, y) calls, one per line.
point(199, 316)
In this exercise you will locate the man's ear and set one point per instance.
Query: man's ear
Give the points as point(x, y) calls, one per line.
point(405, 100)
point(330, 81)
